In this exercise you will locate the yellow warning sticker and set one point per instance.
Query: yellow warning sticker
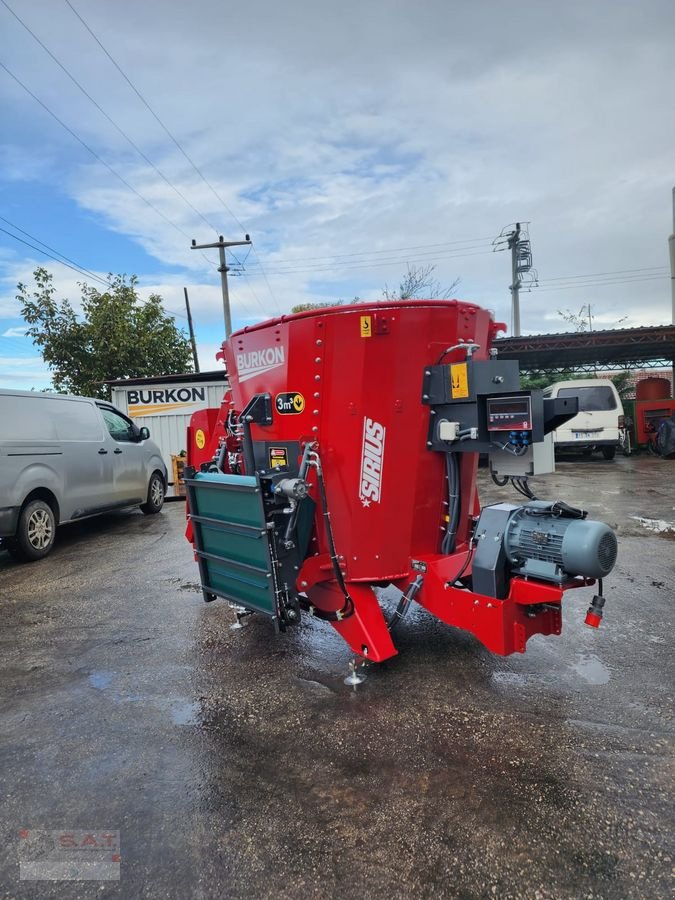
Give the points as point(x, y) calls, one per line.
point(459, 381)
point(366, 326)
point(200, 439)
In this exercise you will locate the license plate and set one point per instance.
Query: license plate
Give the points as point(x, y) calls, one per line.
point(582, 435)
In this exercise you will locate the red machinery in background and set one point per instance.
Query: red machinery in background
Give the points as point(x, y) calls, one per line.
point(344, 459)
point(653, 405)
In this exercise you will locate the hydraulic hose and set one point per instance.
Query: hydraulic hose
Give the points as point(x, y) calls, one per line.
point(348, 608)
point(452, 469)
point(404, 602)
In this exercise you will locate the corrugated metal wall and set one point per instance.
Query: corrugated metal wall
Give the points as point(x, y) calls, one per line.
point(168, 429)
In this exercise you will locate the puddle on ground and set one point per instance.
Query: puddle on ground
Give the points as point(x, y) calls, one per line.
point(100, 680)
point(523, 678)
point(592, 669)
point(588, 667)
point(184, 712)
point(660, 526)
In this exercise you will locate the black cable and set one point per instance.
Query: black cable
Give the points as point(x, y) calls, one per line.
point(499, 482)
point(465, 565)
point(424, 247)
point(154, 115)
point(348, 608)
point(55, 258)
point(93, 152)
point(109, 118)
point(178, 145)
point(66, 259)
point(404, 603)
point(452, 475)
point(373, 265)
point(519, 482)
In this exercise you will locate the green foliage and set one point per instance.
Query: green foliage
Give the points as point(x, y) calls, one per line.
point(541, 380)
point(623, 382)
point(116, 336)
point(535, 382)
point(303, 307)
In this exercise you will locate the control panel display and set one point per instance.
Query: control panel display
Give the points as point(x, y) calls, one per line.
point(509, 414)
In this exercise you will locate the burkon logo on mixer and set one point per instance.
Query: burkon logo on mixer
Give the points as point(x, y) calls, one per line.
point(372, 459)
point(257, 361)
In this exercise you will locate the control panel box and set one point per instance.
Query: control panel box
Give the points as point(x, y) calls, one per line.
point(509, 414)
point(477, 406)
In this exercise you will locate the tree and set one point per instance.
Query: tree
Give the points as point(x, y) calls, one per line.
point(419, 283)
point(303, 307)
point(624, 383)
point(583, 320)
point(116, 336)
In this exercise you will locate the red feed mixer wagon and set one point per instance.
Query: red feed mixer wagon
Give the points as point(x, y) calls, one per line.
point(344, 458)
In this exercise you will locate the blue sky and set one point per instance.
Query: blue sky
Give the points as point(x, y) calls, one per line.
point(349, 140)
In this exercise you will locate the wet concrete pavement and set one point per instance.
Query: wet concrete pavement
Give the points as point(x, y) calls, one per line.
point(236, 763)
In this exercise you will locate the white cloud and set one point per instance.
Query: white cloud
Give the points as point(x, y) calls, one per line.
point(18, 332)
point(348, 129)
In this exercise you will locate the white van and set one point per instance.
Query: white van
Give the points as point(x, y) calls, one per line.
point(66, 458)
point(599, 421)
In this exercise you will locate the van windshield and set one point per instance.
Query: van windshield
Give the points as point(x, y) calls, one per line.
point(591, 399)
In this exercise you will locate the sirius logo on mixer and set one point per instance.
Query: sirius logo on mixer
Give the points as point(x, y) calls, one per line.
point(255, 362)
point(372, 459)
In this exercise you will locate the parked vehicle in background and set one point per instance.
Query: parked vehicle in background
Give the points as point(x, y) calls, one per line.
point(165, 404)
point(599, 424)
point(66, 458)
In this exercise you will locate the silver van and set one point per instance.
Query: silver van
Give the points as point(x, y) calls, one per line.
point(65, 458)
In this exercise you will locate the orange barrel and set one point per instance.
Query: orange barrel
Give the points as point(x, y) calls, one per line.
point(652, 389)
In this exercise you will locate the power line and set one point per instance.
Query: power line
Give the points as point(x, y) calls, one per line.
point(109, 118)
point(81, 269)
point(599, 274)
point(377, 264)
point(175, 141)
point(75, 268)
point(92, 151)
point(293, 259)
point(592, 284)
point(153, 113)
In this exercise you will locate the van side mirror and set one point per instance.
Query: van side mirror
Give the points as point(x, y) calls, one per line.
point(143, 434)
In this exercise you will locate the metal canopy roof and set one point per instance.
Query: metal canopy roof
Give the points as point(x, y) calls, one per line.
point(189, 377)
point(584, 350)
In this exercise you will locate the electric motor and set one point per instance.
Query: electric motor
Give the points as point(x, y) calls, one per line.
point(553, 547)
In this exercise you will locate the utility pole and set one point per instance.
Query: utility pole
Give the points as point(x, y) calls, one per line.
point(518, 242)
point(671, 245)
point(223, 268)
point(514, 239)
point(192, 331)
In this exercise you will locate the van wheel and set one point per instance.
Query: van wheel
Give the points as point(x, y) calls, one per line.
point(155, 499)
point(35, 532)
point(609, 452)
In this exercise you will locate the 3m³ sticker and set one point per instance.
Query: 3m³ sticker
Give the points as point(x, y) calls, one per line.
point(459, 381)
point(366, 326)
point(200, 439)
point(290, 403)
